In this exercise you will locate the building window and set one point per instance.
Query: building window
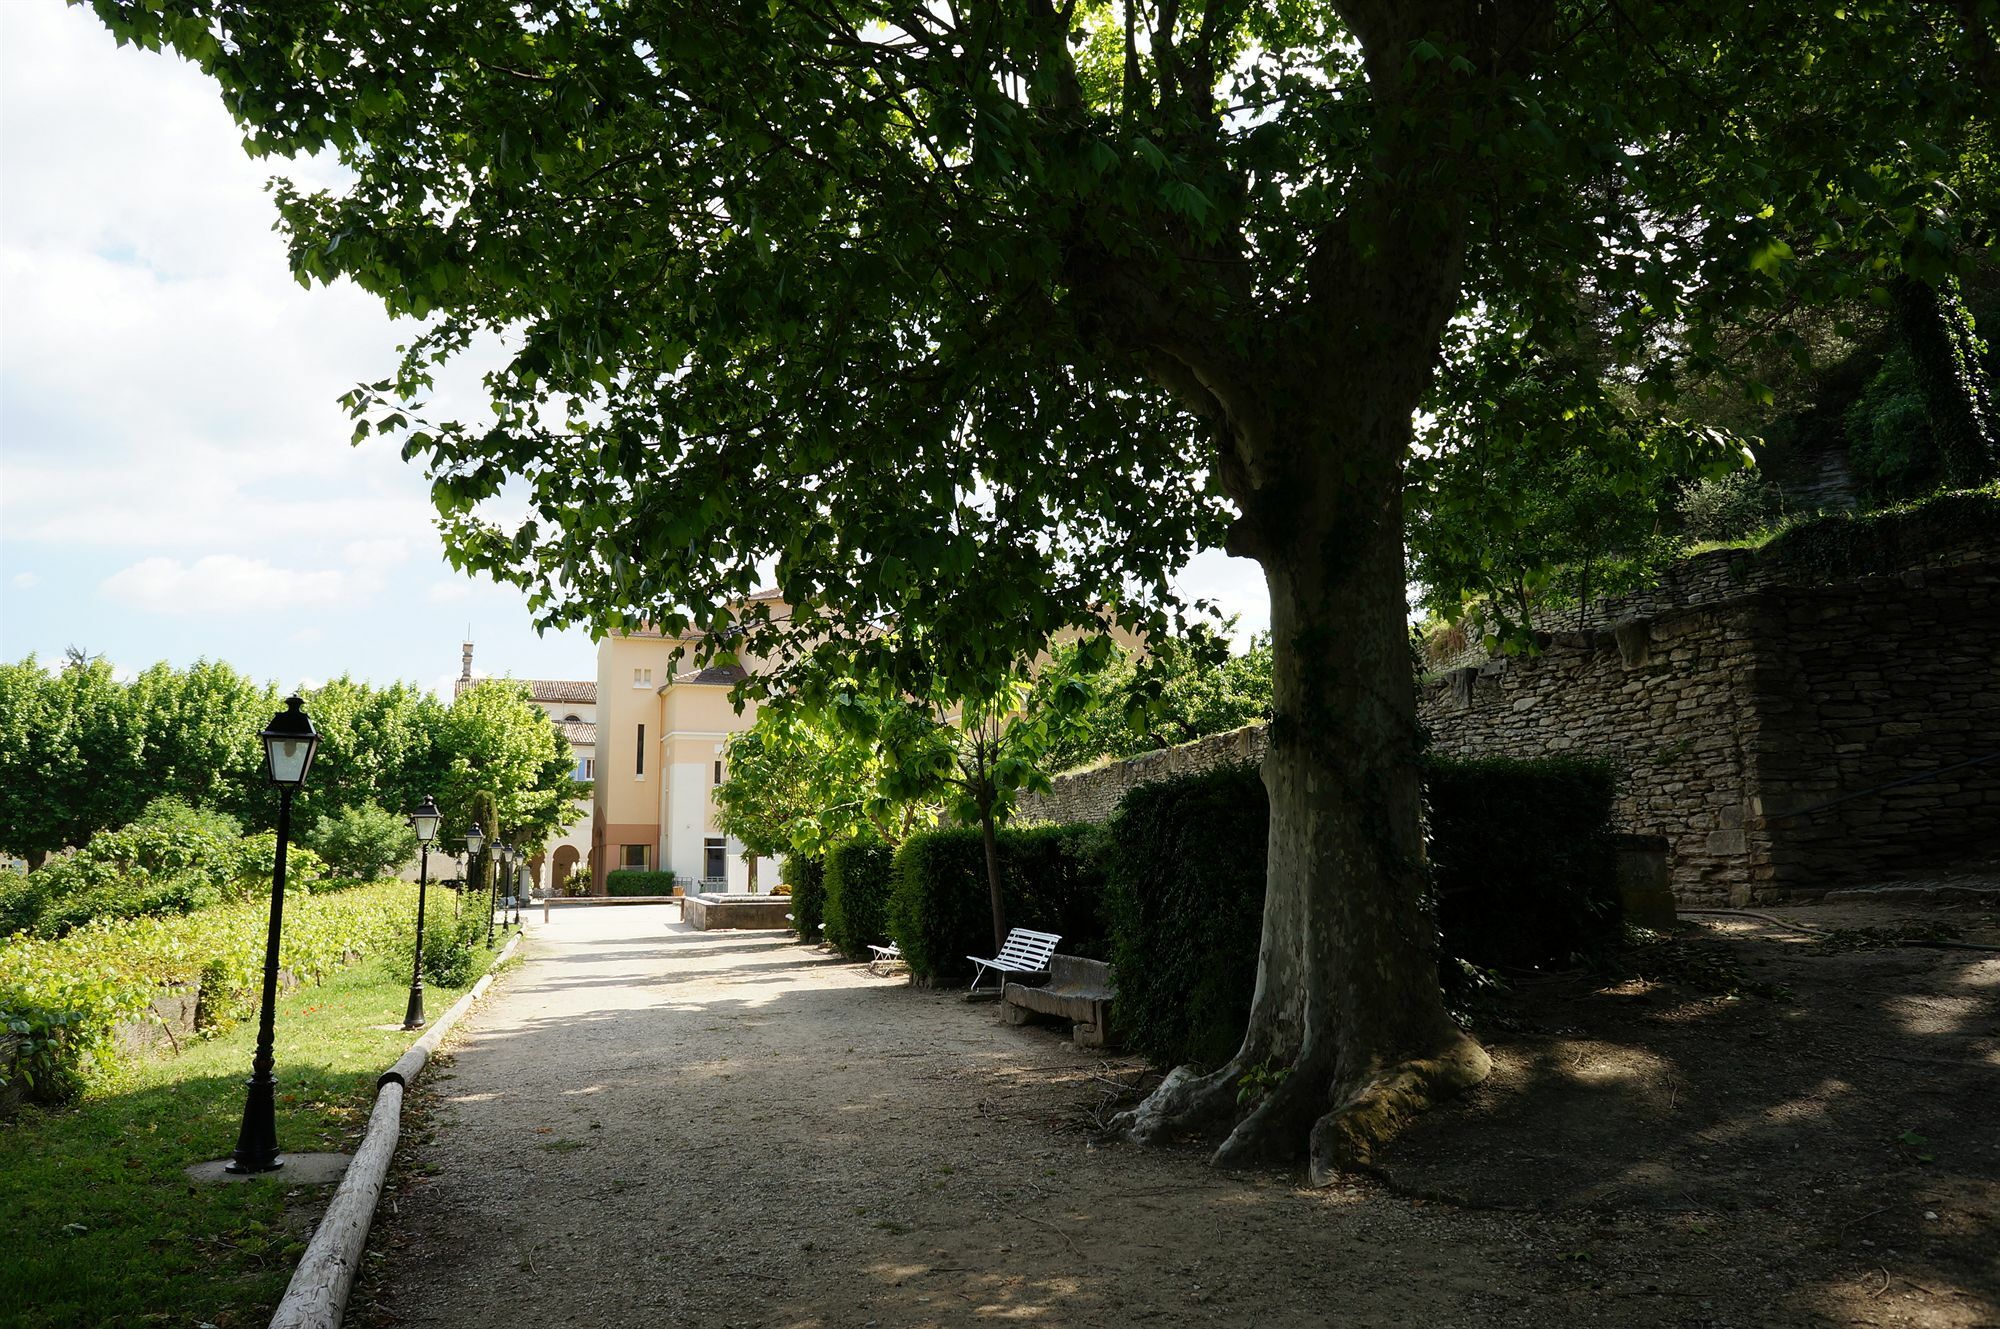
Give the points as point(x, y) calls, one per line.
point(642, 678)
point(583, 769)
point(590, 768)
point(714, 866)
point(639, 768)
point(635, 856)
point(718, 770)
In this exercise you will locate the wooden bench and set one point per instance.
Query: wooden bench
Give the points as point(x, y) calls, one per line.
point(1023, 952)
point(1079, 990)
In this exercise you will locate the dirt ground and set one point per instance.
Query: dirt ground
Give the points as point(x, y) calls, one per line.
point(649, 1125)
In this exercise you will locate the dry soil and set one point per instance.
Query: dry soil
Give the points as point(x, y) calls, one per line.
point(647, 1125)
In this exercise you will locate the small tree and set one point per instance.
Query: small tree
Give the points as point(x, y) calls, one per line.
point(799, 782)
point(977, 755)
point(365, 842)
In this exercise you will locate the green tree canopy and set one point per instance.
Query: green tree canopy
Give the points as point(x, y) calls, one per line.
point(981, 320)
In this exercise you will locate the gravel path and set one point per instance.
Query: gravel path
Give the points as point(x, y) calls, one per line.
point(648, 1125)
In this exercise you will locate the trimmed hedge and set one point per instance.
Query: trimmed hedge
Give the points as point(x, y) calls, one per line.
point(638, 881)
point(940, 909)
point(806, 875)
point(1521, 864)
point(857, 896)
point(1186, 905)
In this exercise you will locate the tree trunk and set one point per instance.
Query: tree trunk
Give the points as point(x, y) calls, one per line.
point(35, 859)
point(1347, 1011)
point(990, 839)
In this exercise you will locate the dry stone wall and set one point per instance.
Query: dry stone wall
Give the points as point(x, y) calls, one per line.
point(1732, 698)
point(1093, 795)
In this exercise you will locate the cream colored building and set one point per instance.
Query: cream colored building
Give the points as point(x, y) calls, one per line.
point(572, 705)
point(661, 733)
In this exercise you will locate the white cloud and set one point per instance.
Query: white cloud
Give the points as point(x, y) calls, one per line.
point(1236, 585)
point(225, 584)
point(449, 592)
point(24, 581)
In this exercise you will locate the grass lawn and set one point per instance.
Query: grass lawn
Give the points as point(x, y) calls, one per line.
point(98, 1225)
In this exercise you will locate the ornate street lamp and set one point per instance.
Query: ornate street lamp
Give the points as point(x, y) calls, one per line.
point(289, 744)
point(475, 840)
point(501, 853)
point(514, 883)
point(425, 822)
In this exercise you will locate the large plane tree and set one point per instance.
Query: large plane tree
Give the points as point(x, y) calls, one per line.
point(978, 317)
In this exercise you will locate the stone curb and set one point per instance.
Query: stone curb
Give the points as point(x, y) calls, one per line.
point(317, 1296)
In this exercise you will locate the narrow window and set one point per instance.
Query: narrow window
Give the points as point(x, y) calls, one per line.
point(640, 769)
point(713, 867)
point(718, 770)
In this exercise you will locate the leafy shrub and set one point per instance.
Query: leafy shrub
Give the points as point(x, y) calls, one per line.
point(364, 842)
point(1728, 507)
point(1521, 859)
point(806, 875)
point(857, 896)
point(575, 884)
point(257, 863)
point(454, 945)
point(1185, 897)
point(1521, 866)
point(1890, 450)
point(49, 1052)
point(635, 881)
point(173, 859)
point(940, 908)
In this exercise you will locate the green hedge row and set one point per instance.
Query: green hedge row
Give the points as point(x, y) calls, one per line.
point(857, 896)
point(1521, 870)
point(940, 907)
point(638, 881)
point(807, 877)
point(1522, 863)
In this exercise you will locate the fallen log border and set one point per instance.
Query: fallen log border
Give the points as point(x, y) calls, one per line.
point(317, 1296)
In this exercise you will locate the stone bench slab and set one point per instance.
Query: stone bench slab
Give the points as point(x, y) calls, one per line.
point(1078, 990)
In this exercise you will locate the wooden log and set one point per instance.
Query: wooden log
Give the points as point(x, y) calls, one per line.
point(317, 1296)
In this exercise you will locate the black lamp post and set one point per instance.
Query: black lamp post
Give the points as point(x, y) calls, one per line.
point(500, 852)
point(425, 822)
point(475, 840)
point(289, 744)
point(514, 887)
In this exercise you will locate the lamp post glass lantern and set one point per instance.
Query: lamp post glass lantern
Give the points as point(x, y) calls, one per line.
point(289, 744)
point(425, 822)
point(475, 840)
point(500, 853)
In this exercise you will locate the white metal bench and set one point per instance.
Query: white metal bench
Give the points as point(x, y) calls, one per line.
point(1023, 952)
point(887, 954)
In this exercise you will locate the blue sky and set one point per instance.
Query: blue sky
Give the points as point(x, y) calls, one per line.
point(175, 476)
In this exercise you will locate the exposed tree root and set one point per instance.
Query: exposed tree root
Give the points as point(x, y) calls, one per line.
point(1347, 1138)
point(1186, 1102)
point(1275, 1130)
